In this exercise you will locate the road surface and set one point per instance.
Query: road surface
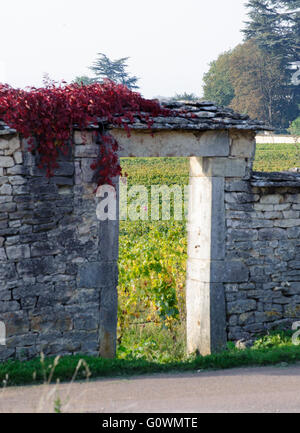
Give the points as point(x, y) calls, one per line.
point(269, 389)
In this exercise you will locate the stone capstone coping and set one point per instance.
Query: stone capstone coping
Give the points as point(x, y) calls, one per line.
point(189, 116)
point(202, 115)
point(277, 179)
point(6, 130)
point(198, 116)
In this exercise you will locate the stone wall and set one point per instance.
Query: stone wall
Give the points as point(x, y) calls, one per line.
point(263, 234)
point(243, 270)
point(58, 263)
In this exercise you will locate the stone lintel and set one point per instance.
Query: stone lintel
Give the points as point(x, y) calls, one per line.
point(172, 143)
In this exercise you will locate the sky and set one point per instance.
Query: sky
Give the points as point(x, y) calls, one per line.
point(170, 42)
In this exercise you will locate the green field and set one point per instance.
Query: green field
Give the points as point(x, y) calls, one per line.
point(276, 157)
point(152, 261)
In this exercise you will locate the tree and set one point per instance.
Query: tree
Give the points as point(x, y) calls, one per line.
point(275, 26)
point(251, 81)
point(84, 80)
point(294, 128)
point(185, 97)
point(217, 82)
point(260, 85)
point(114, 70)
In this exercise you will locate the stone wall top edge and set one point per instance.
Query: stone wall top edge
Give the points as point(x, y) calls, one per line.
point(8, 131)
point(275, 179)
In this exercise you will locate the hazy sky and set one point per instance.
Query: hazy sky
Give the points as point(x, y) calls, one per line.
point(170, 42)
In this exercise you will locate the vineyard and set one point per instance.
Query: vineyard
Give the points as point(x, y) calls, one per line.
point(152, 261)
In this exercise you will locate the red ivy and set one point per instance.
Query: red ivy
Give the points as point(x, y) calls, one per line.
point(49, 114)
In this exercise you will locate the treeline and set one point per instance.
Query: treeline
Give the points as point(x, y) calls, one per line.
point(256, 77)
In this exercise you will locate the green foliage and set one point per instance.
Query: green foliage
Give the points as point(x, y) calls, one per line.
point(152, 259)
point(260, 85)
point(275, 26)
point(294, 128)
point(114, 70)
point(276, 157)
point(151, 342)
point(185, 97)
point(57, 405)
point(217, 81)
point(31, 372)
point(83, 80)
point(254, 82)
point(273, 339)
point(151, 276)
point(256, 77)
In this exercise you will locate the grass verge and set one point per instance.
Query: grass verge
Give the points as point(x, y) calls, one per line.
point(31, 372)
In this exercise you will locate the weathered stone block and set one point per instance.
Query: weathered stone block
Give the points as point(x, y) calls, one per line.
point(287, 223)
point(172, 143)
point(6, 161)
point(275, 199)
point(217, 271)
point(18, 157)
point(84, 137)
point(218, 167)
point(242, 306)
point(206, 226)
point(272, 234)
point(242, 144)
point(204, 302)
point(18, 252)
point(5, 189)
point(97, 274)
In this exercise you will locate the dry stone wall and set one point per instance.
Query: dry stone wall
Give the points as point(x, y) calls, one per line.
point(58, 263)
point(263, 234)
point(243, 269)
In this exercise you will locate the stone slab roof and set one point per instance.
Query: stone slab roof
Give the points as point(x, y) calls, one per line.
point(185, 115)
point(200, 116)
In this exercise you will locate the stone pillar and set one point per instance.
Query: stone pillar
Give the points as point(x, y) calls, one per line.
point(207, 267)
point(99, 273)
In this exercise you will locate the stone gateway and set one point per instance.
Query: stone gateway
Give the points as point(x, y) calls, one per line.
point(58, 261)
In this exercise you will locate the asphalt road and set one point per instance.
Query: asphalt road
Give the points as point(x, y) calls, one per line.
point(270, 389)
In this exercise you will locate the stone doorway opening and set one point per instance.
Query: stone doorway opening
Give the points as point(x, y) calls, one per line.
point(152, 258)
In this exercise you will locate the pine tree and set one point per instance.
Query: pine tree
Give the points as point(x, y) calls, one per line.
point(114, 70)
point(275, 27)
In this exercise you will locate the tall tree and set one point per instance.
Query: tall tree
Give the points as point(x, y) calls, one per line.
point(217, 83)
point(251, 81)
point(275, 26)
point(114, 70)
point(260, 85)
